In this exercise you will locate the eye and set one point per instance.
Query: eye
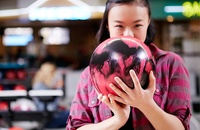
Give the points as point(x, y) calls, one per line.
point(138, 25)
point(118, 26)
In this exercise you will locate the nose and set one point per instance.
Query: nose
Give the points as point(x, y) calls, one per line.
point(128, 32)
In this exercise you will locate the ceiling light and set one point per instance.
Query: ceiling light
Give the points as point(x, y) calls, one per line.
point(173, 9)
point(16, 12)
point(12, 12)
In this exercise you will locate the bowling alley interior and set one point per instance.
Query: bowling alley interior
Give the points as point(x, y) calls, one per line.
point(61, 34)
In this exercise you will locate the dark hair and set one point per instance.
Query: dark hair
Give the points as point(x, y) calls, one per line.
point(103, 32)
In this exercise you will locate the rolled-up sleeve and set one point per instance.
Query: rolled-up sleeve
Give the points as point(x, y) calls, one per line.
point(80, 113)
point(173, 87)
point(178, 102)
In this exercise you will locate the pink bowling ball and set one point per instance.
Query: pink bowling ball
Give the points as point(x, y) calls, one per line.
point(116, 57)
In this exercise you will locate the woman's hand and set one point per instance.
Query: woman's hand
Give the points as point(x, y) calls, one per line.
point(136, 97)
point(121, 111)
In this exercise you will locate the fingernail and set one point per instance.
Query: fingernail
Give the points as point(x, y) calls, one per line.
point(99, 95)
point(116, 78)
point(132, 71)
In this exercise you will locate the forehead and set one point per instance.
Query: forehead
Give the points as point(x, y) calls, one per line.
point(128, 11)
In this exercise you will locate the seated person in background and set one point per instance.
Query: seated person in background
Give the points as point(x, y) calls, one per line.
point(47, 78)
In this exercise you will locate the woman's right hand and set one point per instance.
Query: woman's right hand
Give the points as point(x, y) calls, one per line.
point(121, 111)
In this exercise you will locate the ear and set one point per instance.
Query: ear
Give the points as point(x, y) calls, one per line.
point(149, 21)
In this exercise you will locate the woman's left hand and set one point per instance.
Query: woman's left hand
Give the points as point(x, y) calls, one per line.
point(136, 97)
point(121, 111)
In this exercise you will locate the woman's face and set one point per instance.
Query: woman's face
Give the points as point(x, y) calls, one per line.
point(128, 20)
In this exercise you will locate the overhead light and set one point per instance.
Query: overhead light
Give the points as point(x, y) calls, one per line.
point(173, 9)
point(56, 13)
point(12, 12)
point(31, 8)
point(170, 18)
point(16, 12)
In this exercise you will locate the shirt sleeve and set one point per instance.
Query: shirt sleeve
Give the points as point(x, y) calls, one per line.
point(80, 113)
point(178, 101)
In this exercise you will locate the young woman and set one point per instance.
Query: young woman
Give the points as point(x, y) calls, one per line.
point(47, 78)
point(164, 105)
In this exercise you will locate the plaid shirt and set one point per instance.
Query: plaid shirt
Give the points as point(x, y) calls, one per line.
point(172, 95)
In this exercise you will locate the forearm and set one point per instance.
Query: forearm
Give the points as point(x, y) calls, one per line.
point(160, 119)
point(108, 124)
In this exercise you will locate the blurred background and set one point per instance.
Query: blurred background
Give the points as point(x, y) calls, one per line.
point(63, 32)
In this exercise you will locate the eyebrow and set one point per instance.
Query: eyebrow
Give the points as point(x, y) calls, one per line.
point(139, 20)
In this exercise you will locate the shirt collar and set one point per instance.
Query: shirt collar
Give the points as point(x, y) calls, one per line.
point(156, 52)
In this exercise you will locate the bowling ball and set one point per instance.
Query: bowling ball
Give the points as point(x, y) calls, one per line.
point(19, 87)
point(1, 87)
point(116, 57)
point(3, 106)
point(15, 128)
point(23, 104)
point(10, 74)
point(21, 74)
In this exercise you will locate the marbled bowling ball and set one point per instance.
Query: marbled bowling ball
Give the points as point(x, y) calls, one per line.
point(115, 57)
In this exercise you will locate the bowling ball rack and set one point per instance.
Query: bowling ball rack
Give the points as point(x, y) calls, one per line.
point(8, 94)
point(41, 116)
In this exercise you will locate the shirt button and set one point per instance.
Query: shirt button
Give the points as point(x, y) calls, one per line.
point(93, 102)
point(157, 90)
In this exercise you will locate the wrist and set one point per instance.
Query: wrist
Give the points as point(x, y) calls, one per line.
point(147, 106)
point(118, 122)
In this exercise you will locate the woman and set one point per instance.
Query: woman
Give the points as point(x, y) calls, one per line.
point(164, 105)
point(47, 78)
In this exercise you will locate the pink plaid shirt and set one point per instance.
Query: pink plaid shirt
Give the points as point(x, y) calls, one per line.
point(172, 95)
